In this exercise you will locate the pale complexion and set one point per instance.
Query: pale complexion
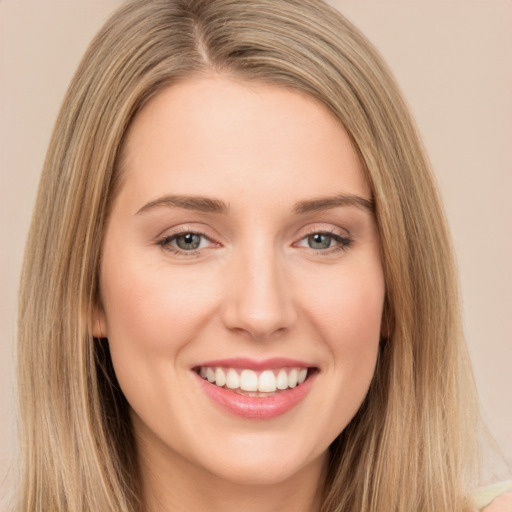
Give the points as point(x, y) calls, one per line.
point(281, 261)
point(502, 503)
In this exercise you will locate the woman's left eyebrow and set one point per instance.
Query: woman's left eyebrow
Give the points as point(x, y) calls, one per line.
point(328, 202)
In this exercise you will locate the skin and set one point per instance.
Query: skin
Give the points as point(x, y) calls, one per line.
point(502, 503)
point(255, 288)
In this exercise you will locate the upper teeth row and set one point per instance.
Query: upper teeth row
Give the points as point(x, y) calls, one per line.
point(248, 380)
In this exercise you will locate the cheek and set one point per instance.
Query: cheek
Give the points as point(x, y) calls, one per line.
point(347, 307)
point(347, 314)
point(152, 311)
point(361, 302)
point(356, 331)
point(152, 314)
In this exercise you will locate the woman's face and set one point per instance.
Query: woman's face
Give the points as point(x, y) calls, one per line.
point(240, 258)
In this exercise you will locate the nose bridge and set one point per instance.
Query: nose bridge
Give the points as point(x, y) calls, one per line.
point(258, 300)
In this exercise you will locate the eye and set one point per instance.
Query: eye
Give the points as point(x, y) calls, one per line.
point(188, 241)
point(324, 241)
point(319, 241)
point(185, 242)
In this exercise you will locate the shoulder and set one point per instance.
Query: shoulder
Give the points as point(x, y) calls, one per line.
point(494, 498)
point(502, 503)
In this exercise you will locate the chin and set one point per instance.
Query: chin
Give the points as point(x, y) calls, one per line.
point(262, 465)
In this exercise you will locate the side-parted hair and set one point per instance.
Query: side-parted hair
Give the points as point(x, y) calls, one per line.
point(411, 446)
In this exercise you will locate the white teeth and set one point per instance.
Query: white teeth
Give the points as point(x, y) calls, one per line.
point(220, 377)
point(292, 378)
point(210, 374)
point(268, 381)
point(232, 379)
point(248, 381)
point(282, 380)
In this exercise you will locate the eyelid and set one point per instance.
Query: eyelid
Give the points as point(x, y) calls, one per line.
point(164, 240)
point(188, 227)
point(341, 236)
point(174, 236)
point(322, 228)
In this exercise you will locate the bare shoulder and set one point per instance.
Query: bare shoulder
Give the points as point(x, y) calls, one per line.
point(502, 503)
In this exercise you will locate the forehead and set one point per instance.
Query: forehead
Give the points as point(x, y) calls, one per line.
point(205, 133)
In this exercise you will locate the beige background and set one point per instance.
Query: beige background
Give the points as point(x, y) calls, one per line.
point(453, 59)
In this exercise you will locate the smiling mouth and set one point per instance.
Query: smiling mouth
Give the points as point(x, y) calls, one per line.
point(253, 383)
point(256, 390)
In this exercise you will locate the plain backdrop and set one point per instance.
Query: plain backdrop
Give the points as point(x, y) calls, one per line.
point(453, 61)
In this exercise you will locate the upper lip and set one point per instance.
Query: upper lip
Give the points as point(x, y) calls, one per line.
point(255, 364)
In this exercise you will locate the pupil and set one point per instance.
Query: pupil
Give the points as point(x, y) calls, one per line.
point(319, 241)
point(188, 241)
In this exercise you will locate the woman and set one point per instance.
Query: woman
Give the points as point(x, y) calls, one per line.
point(238, 288)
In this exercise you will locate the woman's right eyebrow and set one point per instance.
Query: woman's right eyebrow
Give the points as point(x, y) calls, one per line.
point(198, 203)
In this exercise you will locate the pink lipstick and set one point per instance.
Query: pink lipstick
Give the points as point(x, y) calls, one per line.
point(256, 389)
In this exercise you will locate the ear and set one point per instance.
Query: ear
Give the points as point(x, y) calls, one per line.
point(99, 322)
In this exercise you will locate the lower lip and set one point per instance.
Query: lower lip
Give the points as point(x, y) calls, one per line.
point(255, 407)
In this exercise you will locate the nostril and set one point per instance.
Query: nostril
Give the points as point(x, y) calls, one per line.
point(260, 323)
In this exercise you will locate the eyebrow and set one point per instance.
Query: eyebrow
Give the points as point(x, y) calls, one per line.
point(201, 204)
point(210, 205)
point(328, 202)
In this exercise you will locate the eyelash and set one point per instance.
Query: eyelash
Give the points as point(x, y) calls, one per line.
point(342, 243)
point(166, 242)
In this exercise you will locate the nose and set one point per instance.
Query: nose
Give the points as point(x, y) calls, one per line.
point(258, 299)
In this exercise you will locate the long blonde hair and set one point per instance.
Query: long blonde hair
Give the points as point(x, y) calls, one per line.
point(411, 446)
